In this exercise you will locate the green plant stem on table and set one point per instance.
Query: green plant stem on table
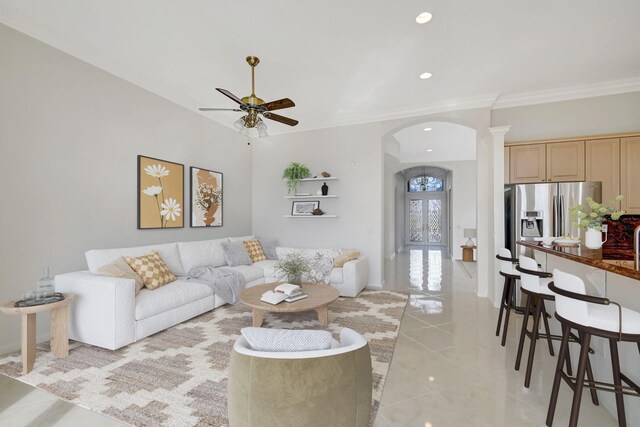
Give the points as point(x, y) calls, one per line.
point(293, 267)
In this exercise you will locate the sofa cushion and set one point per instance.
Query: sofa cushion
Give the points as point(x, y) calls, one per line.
point(96, 258)
point(172, 295)
point(202, 252)
point(151, 269)
point(336, 275)
point(286, 340)
point(120, 268)
point(269, 248)
point(267, 267)
point(248, 272)
point(310, 253)
point(242, 238)
point(235, 254)
point(254, 250)
point(345, 257)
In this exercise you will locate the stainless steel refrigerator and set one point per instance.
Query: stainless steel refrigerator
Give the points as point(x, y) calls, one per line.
point(533, 211)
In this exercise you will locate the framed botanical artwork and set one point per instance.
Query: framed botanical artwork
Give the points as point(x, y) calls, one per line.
point(304, 208)
point(206, 198)
point(160, 193)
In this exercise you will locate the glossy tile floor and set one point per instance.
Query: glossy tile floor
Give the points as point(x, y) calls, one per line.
point(448, 367)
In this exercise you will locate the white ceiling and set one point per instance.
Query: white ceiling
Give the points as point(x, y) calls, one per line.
point(449, 142)
point(344, 61)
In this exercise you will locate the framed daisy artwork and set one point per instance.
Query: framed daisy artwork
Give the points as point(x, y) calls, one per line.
point(160, 193)
point(206, 198)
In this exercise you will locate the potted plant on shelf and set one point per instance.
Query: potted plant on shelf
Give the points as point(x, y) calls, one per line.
point(293, 267)
point(293, 174)
point(592, 221)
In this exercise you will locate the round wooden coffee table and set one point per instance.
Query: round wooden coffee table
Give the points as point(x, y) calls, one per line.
point(320, 296)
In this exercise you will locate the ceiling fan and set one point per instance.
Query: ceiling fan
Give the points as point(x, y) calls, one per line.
point(251, 124)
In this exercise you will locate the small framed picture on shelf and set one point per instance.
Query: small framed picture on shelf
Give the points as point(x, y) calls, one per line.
point(304, 208)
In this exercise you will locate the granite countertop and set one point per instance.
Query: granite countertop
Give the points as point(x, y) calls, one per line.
point(609, 259)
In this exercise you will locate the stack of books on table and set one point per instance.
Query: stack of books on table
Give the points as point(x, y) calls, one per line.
point(284, 292)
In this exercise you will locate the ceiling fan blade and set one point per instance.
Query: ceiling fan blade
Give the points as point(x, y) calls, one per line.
point(229, 95)
point(281, 119)
point(279, 104)
point(219, 109)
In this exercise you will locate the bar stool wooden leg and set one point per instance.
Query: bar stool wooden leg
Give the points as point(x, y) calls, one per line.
point(502, 305)
point(523, 331)
point(579, 384)
point(564, 346)
point(508, 309)
point(545, 317)
point(617, 381)
point(594, 393)
point(534, 339)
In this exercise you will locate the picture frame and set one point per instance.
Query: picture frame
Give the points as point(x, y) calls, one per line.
point(160, 193)
point(206, 197)
point(304, 208)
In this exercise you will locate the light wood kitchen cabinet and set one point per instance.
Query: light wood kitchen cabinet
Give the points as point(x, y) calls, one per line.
point(630, 174)
point(565, 161)
point(527, 163)
point(506, 165)
point(603, 164)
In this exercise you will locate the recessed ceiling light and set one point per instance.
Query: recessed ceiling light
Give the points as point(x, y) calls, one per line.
point(427, 129)
point(429, 150)
point(424, 76)
point(424, 17)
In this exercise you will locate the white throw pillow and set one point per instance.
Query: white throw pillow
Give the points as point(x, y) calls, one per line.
point(286, 340)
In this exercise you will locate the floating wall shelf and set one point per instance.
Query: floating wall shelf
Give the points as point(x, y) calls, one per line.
point(330, 196)
point(311, 216)
point(331, 178)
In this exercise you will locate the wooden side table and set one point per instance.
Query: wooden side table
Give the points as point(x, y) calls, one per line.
point(59, 329)
point(467, 253)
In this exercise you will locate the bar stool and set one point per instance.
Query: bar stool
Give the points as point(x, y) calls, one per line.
point(508, 271)
point(591, 316)
point(534, 284)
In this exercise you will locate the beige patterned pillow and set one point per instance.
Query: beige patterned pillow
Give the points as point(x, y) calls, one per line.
point(120, 268)
point(345, 257)
point(254, 250)
point(153, 271)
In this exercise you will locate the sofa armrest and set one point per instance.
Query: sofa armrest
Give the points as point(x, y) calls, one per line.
point(355, 275)
point(103, 311)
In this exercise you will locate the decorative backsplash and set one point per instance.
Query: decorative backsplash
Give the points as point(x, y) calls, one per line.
point(621, 232)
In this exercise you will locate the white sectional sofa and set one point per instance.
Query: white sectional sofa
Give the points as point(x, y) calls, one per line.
point(107, 313)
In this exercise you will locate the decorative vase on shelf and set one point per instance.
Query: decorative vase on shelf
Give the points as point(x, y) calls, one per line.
point(593, 238)
point(325, 189)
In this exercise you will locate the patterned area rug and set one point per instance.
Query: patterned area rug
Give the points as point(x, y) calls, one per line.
point(178, 377)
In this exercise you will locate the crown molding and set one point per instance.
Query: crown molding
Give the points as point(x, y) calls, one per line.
point(568, 93)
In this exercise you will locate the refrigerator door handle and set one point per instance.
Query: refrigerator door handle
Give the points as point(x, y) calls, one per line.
point(554, 214)
point(561, 215)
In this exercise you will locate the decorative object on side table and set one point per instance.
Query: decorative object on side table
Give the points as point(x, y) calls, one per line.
point(305, 208)
point(293, 174)
point(293, 268)
point(160, 193)
point(325, 189)
point(592, 221)
point(59, 328)
point(206, 198)
point(470, 234)
point(467, 253)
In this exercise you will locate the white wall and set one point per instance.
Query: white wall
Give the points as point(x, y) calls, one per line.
point(69, 137)
point(589, 116)
point(351, 153)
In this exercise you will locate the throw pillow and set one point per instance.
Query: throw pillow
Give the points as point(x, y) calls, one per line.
point(321, 267)
point(153, 271)
point(254, 250)
point(269, 248)
point(120, 268)
point(344, 257)
point(281, 340)
point(235, 254)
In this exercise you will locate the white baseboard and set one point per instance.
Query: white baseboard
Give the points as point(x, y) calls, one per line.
point(13, 347)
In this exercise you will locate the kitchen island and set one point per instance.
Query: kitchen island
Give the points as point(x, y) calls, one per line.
point(608, 273)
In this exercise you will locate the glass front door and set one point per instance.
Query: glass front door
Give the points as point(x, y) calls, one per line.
point(426, 218)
